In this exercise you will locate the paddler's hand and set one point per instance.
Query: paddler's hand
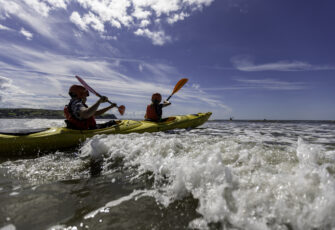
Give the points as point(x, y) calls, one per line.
point(112, 105)
point(166, 103)
point(103, 99)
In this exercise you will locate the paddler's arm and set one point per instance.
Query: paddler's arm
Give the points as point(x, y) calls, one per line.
point(104, 110)
point(86, 113)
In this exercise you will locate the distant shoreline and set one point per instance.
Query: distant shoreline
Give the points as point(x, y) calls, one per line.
point(26, 113)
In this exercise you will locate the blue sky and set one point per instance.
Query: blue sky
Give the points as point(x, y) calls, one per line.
point(247, 59)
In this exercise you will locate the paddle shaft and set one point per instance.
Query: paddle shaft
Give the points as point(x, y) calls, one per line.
point(89, 88)
point(169, 97)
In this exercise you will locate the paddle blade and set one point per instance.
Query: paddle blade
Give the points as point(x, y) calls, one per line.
point(180, 84)
point(87, 86)
point(122, 109)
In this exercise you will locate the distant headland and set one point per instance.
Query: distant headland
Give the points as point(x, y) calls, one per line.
point(10, 113)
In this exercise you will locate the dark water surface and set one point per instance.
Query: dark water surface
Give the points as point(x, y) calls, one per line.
point(223, 175)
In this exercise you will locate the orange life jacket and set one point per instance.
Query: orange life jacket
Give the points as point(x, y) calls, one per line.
point(152, 114)
point(79, 124)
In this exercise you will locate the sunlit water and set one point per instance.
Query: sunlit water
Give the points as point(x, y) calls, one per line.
point(223, 175)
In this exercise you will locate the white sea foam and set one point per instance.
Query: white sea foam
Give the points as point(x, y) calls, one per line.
point(14, 194)
point(236, 178)
point(53, 167)
point(245, 175)
point(8, 227)
point(114, 203)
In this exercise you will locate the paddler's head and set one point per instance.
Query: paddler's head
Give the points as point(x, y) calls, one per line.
point(156, 98)
point(78, 91)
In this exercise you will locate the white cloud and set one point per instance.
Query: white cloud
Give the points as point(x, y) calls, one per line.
point(107, 37)
point(241, 5)
point(8, 7)
point(40, 7)
point(159, 71)
point(5, 83)
point(88, 20)
point(58, 3)
point(157, 37)
point(9, 91)
point(247, 64)
point(272, 84)
point(137, 15)
point(112, 11)
point(144, 17)
point(140, 67)
point(199, 3)
point(34, 15)
point(262, 84)
point(140, 13)
point(26, 33)
point(4, 27)
point(195, 86)
point(144, 23)
point(164, 7)
point(177, 17)
point(78, 21)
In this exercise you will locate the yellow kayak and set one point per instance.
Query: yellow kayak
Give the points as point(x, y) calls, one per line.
point(59, 138)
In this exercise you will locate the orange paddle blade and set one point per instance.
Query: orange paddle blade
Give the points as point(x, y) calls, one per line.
point(121, 109)
point(180, 84)
point(89, 88)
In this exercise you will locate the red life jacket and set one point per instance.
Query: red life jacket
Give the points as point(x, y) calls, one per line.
point(151, 113)
point(79, 124)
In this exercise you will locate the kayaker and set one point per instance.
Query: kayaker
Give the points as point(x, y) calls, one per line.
point(79, 115)
point(154, 110)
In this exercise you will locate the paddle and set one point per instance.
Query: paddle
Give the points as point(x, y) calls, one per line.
point(121, 108)
point(178, 86)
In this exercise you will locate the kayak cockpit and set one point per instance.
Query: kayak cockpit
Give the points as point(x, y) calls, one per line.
point(22, 132)
point(164, 120)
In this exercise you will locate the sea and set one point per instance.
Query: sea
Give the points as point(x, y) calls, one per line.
point(237, 175)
